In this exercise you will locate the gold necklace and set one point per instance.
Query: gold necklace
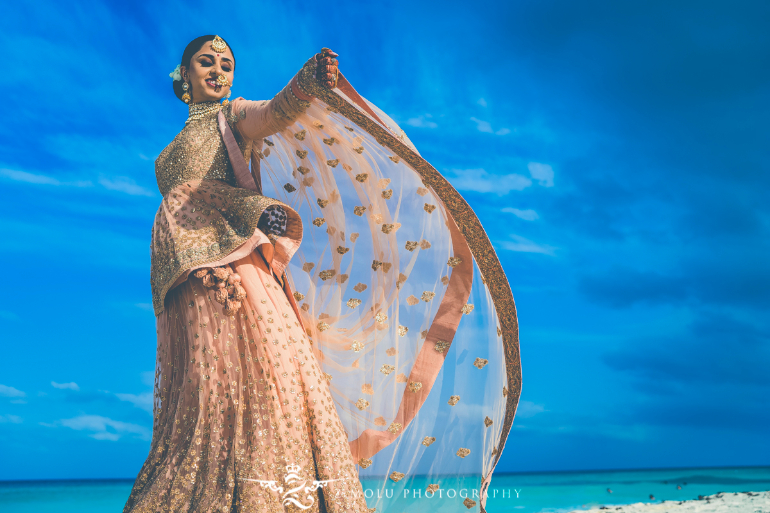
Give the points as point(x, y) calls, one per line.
point(202, 110)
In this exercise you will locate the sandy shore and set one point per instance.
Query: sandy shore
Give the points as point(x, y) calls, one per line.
point(746, 502)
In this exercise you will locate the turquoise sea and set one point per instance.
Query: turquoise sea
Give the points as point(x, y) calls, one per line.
point(518, 492)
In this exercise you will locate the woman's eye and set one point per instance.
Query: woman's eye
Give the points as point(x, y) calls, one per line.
point(225, 68)
point(205, 63)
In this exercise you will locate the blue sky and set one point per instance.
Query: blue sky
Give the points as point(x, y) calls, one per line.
point(616, 153)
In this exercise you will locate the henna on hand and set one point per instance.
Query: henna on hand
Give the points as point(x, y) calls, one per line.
point(327, 68)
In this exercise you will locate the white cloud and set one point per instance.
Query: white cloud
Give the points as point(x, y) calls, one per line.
point(104, 428)
point(67, 386)
point(527, 409)
point(143, 401)
point(125, 184)
point(543, 173)
point(527, 215)
point(523, 245)
point(482, 126)
point(13, 419)
point(23, 176)
point(503, 131)
point(481, 181)
point(422, 122)
point(7, 391)
point(482, 102)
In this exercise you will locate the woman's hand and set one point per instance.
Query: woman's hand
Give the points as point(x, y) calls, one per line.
point(326, 68)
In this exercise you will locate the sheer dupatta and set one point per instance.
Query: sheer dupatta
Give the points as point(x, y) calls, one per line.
point(398, 286)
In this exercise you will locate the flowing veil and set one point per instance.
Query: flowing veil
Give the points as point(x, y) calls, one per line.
point(408, 308)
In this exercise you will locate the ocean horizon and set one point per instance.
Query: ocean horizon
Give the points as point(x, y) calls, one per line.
point(524, 492)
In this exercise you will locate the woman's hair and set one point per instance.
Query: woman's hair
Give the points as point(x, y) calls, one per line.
point(192, 48)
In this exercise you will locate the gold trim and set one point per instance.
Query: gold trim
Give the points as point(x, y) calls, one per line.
point(469, 225)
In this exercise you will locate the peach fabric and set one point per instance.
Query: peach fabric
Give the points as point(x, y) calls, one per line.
point(247, 398)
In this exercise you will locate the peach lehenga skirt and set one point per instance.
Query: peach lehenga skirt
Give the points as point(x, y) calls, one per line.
point(244, 420)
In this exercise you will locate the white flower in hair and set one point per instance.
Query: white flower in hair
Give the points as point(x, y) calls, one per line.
point(176, 74)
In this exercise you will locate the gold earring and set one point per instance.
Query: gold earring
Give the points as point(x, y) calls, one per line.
point(186, 96)
point(227, 98)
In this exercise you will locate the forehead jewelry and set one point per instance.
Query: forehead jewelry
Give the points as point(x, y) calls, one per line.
point(218, 44)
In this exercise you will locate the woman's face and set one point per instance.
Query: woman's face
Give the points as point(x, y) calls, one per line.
point(205, 67)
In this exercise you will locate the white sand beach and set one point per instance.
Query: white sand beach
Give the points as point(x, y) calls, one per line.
point(745, 502)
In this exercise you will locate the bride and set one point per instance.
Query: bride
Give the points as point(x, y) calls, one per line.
point(280, 385)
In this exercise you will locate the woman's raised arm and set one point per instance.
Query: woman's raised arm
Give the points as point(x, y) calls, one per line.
point(258, 119)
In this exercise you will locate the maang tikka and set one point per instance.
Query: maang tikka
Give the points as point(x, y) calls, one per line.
point(218, 44)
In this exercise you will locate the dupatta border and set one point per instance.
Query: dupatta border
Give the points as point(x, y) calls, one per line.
point(469, 225)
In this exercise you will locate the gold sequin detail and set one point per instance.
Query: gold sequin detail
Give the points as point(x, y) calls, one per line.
point(453, 400)
point(468, 308)
point(387, 369)
point(342, 250)
point(394, 427)
point(454, 261)
point(362, 177)
point(402, 330)
point(428, 296)
point(322, 202)
point(487, 421)
point(322, 326)
point(289, 187)
point(361, 404)
point(318, 221)
point(415, 386)
point(441, 346)
point(387, 194)
point(364, 462)
point(353, 302)
point(299, 296)
point(325, 275)
point(428, 440)
point(429, 208)
point(463, 452)
point(411, 245)
point(396, 476)
point(480, 362)
point(360, 287)
point(359, 211)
